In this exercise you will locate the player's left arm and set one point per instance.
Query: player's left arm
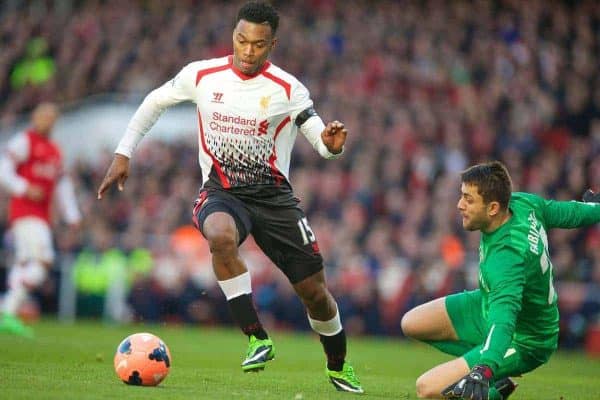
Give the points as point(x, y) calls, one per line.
point(334, 137)
point(328, 139)
point(572, 214)
point(67, 201)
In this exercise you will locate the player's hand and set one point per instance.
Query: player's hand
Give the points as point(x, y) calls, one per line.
point(117, 172)
point(34, 192)
point(590, 197)
point(473, 386)
point(334, 136)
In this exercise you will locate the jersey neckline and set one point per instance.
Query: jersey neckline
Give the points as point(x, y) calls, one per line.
point(244, 76)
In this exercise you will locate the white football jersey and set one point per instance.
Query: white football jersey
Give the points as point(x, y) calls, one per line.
point(246, 124)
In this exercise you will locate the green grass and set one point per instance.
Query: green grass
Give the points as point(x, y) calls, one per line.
point(75, 362)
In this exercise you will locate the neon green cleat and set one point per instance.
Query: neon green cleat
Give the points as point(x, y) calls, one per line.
point(13, 325)
point(259, 352)
point(345, 380)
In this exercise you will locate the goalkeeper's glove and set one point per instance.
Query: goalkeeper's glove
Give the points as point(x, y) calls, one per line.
point(473, 386)
point(590, 197)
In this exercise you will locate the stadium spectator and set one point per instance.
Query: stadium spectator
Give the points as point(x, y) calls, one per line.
point(31, 170)
point(36, 68)
point(509, 325)
point(100, 274)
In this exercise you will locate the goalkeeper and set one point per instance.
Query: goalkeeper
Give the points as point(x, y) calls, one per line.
point(509, 326)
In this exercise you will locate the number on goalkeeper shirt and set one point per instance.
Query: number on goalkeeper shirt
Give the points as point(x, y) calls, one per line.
point(546, 264)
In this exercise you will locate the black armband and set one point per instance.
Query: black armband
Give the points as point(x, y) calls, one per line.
point(305, 115)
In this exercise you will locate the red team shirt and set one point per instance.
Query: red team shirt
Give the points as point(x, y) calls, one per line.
point(42, 167)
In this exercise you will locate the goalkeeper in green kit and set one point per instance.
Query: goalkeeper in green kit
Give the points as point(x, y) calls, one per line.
point(509, 326)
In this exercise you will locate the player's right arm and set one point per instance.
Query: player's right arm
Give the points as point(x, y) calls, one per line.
point(177, 90)
point(505, 278)
point(67, 201)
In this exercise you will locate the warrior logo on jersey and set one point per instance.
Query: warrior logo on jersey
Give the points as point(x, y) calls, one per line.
point(217, 97)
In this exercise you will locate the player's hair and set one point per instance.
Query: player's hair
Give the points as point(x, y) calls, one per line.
point(492, 180)
point(259, 13)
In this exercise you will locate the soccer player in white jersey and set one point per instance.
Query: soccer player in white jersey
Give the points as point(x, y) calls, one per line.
point(249, 113)
point(31, 170)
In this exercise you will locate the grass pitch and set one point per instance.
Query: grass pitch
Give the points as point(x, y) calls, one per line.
point(75, 362)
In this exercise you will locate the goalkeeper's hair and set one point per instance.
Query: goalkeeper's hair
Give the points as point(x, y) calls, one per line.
point(259, 13)
point(492, 180)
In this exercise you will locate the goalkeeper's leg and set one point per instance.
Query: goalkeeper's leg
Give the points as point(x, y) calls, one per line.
point(432, 383)
point(452, 324)
point(430, 322)
point(454, 348)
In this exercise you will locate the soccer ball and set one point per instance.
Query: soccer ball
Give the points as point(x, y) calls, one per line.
point(142, 359)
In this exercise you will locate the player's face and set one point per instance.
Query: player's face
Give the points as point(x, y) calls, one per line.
point(44, 117)
point(473, 209)
point(252, 44)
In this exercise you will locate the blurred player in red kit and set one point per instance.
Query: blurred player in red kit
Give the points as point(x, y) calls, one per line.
point(31, 170)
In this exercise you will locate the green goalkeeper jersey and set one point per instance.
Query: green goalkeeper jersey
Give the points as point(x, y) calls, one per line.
point(515, 276)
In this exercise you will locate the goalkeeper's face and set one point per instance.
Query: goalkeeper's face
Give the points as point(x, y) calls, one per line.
point(472, 208)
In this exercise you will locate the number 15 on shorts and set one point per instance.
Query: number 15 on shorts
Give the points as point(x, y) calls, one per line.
point(307, 234)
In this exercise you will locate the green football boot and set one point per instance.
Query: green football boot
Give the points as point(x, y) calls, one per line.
point(13, 325)
point(259, 352)
point(345, 380)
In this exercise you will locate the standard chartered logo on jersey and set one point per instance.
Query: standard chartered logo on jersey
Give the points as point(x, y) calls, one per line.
point(237, 125)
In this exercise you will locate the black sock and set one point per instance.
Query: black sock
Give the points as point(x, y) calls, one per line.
point(335, 349)
point(244, 314)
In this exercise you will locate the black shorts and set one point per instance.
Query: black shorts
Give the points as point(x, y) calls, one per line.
point(281, 231)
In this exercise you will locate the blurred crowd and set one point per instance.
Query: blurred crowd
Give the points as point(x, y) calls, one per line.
point(426, 88)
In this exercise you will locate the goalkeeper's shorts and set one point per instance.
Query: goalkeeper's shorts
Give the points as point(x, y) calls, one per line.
point(466, 315)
